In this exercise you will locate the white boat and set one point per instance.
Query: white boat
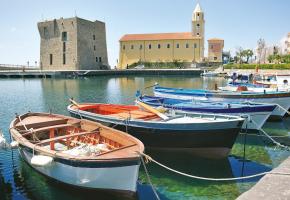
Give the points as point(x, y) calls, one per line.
point(279, 98)
point(257, 114)
point(213, 74)
point(77, 152)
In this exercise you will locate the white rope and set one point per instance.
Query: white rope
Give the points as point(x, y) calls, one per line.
point(206, 178)
point(149, 179)
point(268, 136)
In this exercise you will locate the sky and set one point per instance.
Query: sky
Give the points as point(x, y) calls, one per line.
point(238, 22)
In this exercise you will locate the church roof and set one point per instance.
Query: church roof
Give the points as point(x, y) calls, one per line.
point(215, 39)
point(158, 36)
point(197, 8)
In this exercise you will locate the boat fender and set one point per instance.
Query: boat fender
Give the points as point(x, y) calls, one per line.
point(14, 144)
point(3, 143)
point(41, 161)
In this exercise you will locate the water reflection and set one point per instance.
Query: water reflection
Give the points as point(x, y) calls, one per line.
point(19, 181)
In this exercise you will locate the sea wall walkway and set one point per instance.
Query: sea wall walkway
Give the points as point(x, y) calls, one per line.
point(50, 74)
point(271, 186)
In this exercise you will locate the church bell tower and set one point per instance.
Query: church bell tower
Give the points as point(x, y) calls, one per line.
point(197, 30)
point(198, 22)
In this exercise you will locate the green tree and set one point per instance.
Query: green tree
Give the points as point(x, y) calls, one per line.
point(247, 53)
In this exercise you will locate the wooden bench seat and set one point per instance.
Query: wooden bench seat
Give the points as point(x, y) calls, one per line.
point(134, 114)
point(49, 128)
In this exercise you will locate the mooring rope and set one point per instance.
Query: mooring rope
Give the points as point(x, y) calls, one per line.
point(207, 178)
point(271, 138)
point(148, 177)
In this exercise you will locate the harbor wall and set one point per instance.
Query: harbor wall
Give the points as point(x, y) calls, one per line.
point(271, 186)
point(88, 73)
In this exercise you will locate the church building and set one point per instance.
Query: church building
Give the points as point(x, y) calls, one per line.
point(186, 47)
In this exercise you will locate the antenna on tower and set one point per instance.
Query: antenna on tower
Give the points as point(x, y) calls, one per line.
point(75, 13)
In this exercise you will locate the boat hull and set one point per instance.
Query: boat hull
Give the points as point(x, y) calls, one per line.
point(217, 138)
point(283, 101)
point(119, 177)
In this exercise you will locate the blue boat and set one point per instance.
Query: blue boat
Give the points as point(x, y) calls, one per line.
point(280, 98)
point(257, 113)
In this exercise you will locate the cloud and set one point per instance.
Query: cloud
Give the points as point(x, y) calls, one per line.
point(13, 29)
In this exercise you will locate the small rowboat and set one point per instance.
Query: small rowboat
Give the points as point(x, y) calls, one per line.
point(77, 152)
point(203, 134)
point(257, 113)
point(279, 98)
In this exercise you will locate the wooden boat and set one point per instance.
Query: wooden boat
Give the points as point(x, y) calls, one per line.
point(203, 134)
point(280, 98)
point(258, 113)
point(77, 152)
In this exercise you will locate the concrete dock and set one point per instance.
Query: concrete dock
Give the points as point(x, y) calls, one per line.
point(272, 186)
point(87, 73)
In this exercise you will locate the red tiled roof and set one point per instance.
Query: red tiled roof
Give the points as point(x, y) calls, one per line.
point(215, 39)
point(158, 36)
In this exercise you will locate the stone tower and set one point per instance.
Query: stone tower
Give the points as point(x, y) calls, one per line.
point(73, 44)
point(197, 26)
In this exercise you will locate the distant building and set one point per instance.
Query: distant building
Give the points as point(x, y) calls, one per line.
point(73, 44)
point(215, 50)
point(187, 47)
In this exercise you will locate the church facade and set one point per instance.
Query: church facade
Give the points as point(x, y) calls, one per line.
point(186, 47)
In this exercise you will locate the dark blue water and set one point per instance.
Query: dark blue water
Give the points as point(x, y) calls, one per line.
point(20, 181)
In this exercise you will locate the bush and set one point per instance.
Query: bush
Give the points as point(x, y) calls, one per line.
point(261, 66)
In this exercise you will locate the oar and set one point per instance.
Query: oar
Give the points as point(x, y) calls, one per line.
point(153, 110)
point(74, 102)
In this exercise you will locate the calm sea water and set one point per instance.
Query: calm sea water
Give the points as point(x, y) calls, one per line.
point(20, 181)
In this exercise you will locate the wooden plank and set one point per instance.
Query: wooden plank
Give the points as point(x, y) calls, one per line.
point(64, 137)
point(47, 128)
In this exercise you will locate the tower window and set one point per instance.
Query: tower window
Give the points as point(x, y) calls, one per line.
point(97, 60)
point(177, 46)
point(100, 59)
point(132, 46)
point(215, 58)
point(159, 46)
point(63, 47)
point(197, 26)
point(149, 46)
point(94, 47)
point(197, 34)
point(64, 36)
point(45, 32)
point(63, 59)
point(140, 46)
point(50, 59)
point(195, 46)
point(94, 37)
point(211, 46)
point(168, 46)
point(124, 47)
point(187, 45)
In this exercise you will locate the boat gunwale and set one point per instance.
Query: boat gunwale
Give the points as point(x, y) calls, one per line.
point(17, 136)
point(227, 118)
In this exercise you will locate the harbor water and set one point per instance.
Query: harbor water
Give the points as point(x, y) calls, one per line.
point(20, 181)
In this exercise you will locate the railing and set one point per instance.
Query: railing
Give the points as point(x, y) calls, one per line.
point(10, 67)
